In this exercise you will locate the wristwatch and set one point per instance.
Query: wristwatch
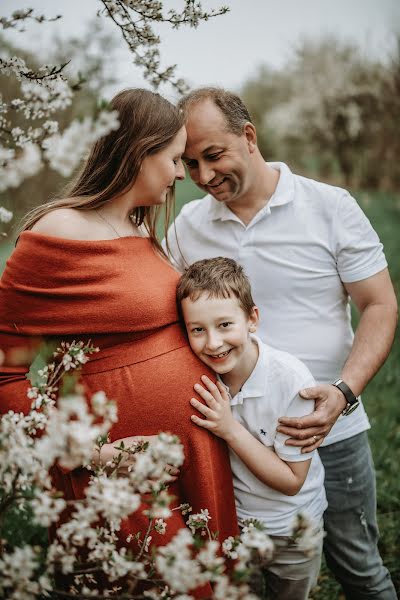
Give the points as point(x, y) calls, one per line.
point(352, 400)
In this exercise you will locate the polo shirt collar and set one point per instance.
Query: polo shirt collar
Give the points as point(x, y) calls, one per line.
point(283, 194)
point(256, 385)
point(218, 211)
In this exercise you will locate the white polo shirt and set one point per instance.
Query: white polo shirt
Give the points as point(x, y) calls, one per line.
point(298, 249)
point(270, 392)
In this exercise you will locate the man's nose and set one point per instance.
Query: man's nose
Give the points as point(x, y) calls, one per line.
point(206, 174)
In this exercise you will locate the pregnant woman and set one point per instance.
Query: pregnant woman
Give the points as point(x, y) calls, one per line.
point(89, 266)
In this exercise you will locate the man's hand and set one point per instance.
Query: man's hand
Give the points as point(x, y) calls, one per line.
point(217, 410)
point(311, 430)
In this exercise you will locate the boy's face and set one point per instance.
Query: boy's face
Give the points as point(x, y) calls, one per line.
point(218, 331)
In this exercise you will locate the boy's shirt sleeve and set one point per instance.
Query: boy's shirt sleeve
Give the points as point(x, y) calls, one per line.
point(297, 407)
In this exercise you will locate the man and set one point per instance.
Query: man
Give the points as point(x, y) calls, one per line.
point(306, 247)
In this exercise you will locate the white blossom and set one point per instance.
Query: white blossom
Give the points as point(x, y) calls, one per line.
point(307, 534)
point(16, 167)
point(47, 508)
point(5, 215)
point(70, 435)
point(175, 565)
point(149, 473)
point(255, 538)
point(224, 589)
point(44, 98)
point(118, 565)
point(114, 499)
point(65, 150)
point(19, 579)
point(209, 559)
point(160, 526)
point(199, 520)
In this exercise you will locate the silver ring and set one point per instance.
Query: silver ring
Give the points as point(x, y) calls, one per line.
point(316, 438)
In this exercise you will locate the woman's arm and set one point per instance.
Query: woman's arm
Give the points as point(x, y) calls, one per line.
point(109, 451)
point(285, 477)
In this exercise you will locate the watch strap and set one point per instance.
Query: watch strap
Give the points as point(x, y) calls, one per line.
point(351, 399)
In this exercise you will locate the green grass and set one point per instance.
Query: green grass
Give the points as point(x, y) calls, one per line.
point(381, 399)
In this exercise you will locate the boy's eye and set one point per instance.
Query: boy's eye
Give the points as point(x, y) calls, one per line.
point(225, 324)
point(196, 330)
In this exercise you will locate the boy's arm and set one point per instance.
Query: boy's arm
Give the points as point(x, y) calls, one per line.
point(285, 477)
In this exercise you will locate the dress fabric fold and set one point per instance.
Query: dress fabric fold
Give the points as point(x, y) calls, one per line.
point(120, 295)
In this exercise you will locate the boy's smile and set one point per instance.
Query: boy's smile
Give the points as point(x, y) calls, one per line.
point(218, 331)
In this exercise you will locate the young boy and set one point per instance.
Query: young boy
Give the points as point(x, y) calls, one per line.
point(256, 385)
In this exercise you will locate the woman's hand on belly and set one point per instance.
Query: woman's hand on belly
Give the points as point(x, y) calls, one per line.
point(119, 455)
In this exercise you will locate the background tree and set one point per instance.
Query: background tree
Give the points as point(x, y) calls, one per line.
point(97, 76)
point(331, 113)
point(30, 122)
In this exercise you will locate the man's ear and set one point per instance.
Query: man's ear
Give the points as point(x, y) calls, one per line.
point(251, 136)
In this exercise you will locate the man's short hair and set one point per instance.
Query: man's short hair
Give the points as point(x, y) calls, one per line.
point(231, 106)
point(218, 277)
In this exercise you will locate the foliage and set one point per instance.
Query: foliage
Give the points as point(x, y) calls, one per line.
point(83, 59)
point(30, 133)
point(85, 556)
point(331, 113)
point(381, 399)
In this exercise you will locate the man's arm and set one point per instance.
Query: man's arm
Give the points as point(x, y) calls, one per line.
point(376, 301)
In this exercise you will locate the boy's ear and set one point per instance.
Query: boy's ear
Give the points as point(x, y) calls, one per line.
point(254, 319)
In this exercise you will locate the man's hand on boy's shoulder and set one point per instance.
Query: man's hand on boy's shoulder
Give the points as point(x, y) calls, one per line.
point(311, 430)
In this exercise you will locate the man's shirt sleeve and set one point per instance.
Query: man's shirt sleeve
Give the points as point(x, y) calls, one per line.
point(359, 252)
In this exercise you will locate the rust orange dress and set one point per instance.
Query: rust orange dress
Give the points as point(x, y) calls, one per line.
point(121, 295)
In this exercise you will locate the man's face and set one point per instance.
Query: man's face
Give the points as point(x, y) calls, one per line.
point(218, 161)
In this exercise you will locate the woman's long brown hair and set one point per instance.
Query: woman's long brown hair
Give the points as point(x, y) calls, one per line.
point(148, 123)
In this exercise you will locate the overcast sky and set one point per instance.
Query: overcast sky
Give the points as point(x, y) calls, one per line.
point(228, 49)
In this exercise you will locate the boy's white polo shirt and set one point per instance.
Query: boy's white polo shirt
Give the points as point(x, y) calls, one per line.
point(270, 392)
point(298, 249)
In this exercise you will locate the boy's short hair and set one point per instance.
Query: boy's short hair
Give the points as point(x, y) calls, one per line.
point(219, 277)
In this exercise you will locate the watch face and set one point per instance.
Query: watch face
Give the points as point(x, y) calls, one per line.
point(350, 408)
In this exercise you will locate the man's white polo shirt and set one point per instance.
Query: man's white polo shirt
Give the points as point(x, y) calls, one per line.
point(297, 251)
point(271, 391)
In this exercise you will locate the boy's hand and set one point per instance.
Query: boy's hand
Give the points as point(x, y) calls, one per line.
point(219, 419)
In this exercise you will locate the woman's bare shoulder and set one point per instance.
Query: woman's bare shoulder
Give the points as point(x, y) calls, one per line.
point(68, 223)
